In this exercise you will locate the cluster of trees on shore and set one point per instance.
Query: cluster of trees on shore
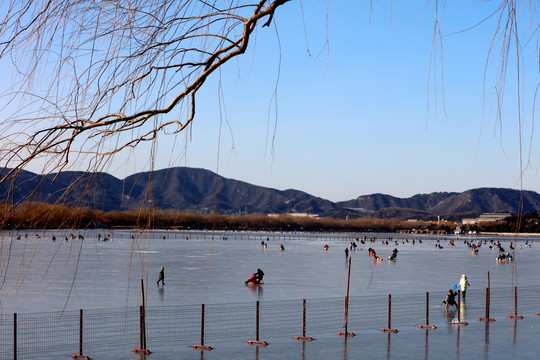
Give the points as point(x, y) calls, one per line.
point(41, 215)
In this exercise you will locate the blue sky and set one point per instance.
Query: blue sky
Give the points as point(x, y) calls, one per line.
point(371, 111)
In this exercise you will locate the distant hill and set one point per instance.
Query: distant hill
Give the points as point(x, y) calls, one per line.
point(183, 189)
point(192, 189)
point(449, 205)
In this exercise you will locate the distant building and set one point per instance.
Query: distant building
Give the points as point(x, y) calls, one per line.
point(493, 216)
point(303, 215)
point(487, 217)
point(296, 215)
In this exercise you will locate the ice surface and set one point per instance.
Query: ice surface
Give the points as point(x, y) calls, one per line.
point(41, 275)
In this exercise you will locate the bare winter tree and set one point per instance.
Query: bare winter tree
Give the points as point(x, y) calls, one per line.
point(96, 77)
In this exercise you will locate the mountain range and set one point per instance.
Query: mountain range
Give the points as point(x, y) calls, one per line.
point(202, 191)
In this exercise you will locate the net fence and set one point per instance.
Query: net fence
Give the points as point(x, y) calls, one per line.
point(26, 336)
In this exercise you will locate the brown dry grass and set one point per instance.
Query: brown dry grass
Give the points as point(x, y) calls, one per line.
point(41, 215)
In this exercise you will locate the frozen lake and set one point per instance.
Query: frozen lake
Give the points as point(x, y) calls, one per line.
point(42, 275)
point(39, 274)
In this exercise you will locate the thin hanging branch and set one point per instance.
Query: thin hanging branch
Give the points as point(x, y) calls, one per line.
point(142, 59)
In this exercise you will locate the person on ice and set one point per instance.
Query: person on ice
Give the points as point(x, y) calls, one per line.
point(256, 278)
point(161, 276)
point(450, 298)
point(463, 284)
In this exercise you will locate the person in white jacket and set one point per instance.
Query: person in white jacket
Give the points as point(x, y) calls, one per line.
point(463, 285)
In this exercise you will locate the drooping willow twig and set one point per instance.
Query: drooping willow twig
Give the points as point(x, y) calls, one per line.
point(96, 77)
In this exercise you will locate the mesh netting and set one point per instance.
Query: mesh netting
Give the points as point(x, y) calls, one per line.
point(59, 333)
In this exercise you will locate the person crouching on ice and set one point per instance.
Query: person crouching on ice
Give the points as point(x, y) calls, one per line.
point(450, 298)
point(252, 279)
point(256, 278)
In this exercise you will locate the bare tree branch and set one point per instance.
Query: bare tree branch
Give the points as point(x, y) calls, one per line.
point(140, 59)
